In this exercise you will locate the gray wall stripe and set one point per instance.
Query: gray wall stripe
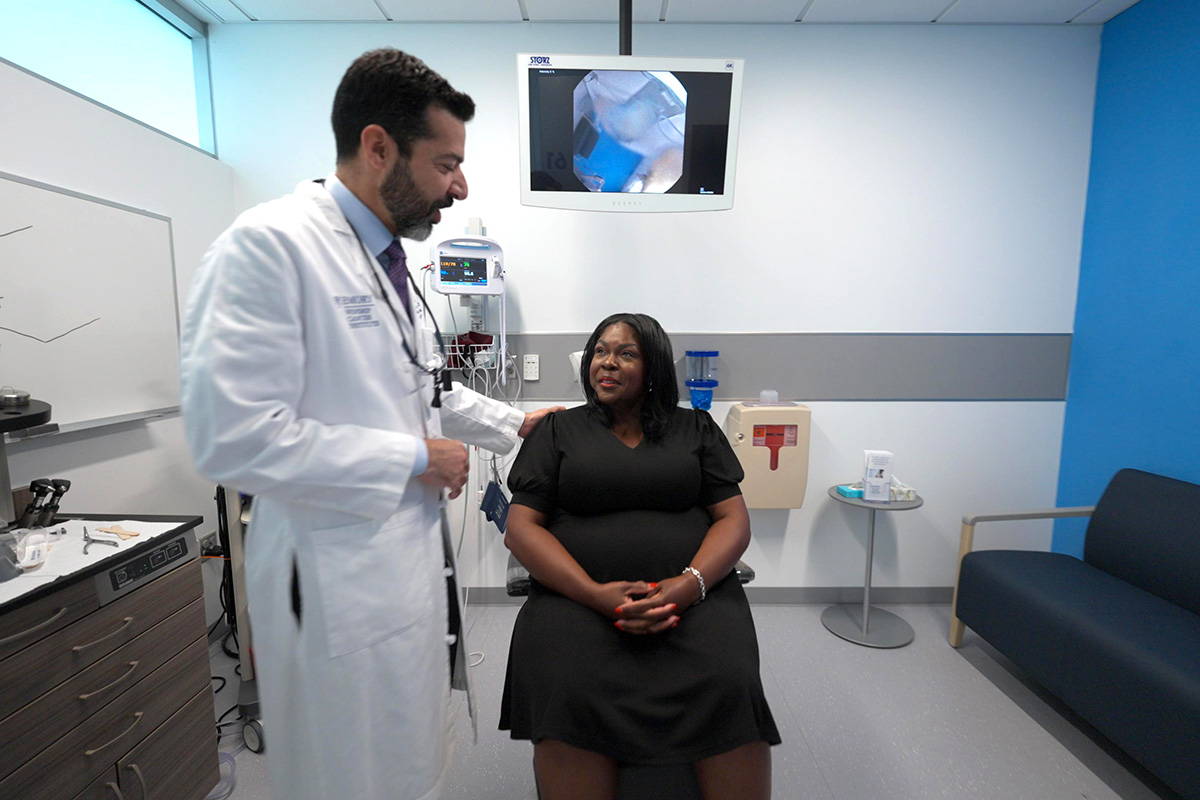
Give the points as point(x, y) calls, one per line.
point(843, 366)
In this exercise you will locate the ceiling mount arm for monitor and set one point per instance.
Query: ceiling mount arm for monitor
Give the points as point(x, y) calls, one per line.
point(626, 24)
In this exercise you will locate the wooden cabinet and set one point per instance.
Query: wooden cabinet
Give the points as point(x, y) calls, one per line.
point(27, 623)
point(110, 701)
point(103, 788)
point(168, 765)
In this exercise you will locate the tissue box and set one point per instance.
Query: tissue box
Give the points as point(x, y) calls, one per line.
point(877, 475)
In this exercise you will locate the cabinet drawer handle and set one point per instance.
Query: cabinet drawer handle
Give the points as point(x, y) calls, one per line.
point(37, 627)
point(141, 780)
point(137, 717)
point(116, 790)
point(133, 665)
point(125, 624)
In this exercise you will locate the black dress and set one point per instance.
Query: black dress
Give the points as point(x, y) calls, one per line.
point(632, 514)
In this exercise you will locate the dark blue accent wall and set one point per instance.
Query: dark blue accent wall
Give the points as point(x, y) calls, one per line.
point(1133, 396)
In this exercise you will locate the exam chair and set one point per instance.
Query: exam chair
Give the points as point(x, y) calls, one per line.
point(635, 781)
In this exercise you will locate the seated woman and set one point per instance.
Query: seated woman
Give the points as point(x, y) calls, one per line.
point(636, 643)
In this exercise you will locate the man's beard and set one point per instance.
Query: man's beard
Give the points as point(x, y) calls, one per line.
point(411, 214)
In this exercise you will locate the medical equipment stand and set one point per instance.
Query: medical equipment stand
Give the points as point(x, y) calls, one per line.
point(16, 419)
point(236, 520)
point(870, 627)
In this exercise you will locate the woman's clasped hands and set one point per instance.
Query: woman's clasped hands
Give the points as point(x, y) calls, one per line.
point(647, 608)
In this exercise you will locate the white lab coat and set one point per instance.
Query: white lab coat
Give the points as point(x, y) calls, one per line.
point(296, 389)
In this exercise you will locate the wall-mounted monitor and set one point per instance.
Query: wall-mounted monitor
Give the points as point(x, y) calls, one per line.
point(628, 133)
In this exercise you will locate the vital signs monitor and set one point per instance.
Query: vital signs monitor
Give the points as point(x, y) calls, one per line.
point(468, 265)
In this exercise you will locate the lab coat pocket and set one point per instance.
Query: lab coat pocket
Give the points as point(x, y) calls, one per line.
point(373, 579)
point(409, 377)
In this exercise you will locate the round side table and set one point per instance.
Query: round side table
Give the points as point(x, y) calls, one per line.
point(870, 627)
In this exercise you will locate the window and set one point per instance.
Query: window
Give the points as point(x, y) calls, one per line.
point(119, 53)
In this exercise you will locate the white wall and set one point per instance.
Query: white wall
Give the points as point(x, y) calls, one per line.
point(907, 179)
point(895, 179)
point(53, 136)
point(961, 457)
point(910, 178)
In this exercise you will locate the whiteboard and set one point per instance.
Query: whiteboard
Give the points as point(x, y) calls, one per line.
point(89, 316)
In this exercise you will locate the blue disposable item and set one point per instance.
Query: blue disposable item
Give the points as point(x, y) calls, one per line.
point(849, 491)
point(701, 376)
point(701, 399)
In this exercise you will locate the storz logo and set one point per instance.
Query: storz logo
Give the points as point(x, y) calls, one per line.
point(539, 61)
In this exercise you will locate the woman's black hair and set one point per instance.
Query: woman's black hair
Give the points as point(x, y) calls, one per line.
point(660, 394)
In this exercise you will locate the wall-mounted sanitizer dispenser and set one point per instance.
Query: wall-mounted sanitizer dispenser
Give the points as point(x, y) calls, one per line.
point(770, 440)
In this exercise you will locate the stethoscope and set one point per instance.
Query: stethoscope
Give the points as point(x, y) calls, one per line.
point(435, 366)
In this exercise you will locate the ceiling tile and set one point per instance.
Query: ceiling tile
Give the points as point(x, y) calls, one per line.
point(453, 10)
point(590, 10)
point(1103, 11)
point(214, 11)
point(1084, 12)
point(1049, 12)
point(297, 10)
point(725, 11)
point(874, 11)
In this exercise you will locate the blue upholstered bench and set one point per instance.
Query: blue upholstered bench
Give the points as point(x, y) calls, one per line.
point(1115, 636)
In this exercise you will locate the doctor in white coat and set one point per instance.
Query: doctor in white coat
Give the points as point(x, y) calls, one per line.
point(306, 382)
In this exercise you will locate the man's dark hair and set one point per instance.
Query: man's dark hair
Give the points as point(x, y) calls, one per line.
point(392, 89)
point(660, 392)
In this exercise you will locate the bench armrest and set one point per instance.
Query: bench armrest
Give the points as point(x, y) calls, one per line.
point(967, 542)
point(1043, 513)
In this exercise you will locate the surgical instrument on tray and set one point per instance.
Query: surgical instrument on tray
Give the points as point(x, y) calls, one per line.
point(88, 541)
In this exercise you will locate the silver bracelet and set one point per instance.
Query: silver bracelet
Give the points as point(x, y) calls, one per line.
point(699, 577)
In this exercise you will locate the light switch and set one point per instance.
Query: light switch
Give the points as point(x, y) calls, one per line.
point(529, 363)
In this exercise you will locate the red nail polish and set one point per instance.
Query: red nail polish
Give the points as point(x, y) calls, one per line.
point(618, 624)
point(618, 609)
point(676, 624)
point(654, 586)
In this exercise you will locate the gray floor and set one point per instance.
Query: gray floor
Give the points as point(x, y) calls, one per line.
point(922, 721)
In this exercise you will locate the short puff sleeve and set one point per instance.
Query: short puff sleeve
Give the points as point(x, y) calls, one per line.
point(721, 472)
point(533, 479)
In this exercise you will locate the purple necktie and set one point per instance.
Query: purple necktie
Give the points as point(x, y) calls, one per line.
point(396, 264)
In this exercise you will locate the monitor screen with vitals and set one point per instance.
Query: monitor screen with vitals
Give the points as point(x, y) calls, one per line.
point(628, 133)
point(468, 265)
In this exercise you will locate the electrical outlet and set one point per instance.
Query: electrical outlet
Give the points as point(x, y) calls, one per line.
point(209, 542)
point(510, 369)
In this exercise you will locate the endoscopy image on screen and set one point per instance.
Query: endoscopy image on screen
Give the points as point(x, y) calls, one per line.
point(628, 131)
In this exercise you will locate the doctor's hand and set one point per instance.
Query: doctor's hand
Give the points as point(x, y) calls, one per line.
point(448, 465)
point(534, 417)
